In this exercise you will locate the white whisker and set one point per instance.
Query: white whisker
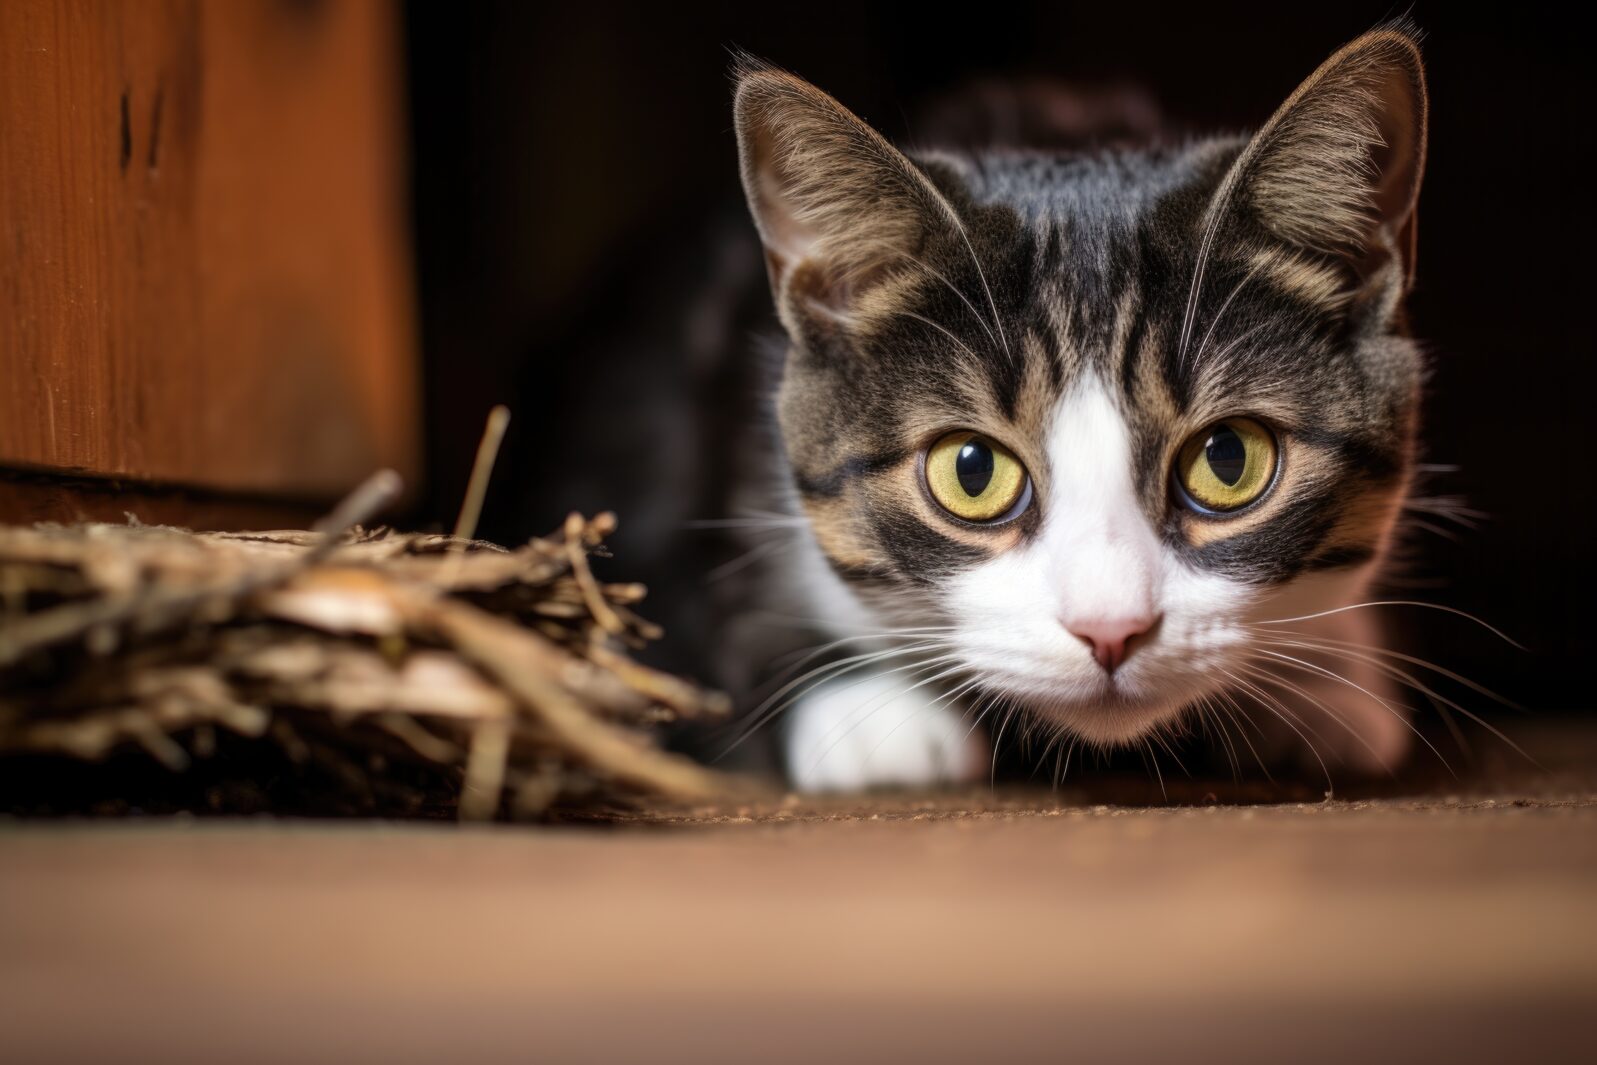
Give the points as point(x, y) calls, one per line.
point(1310, 667)
point(1197, 358)
point(1408, 679)
point(1280, 710)
point(1327, 643)
point(923, 319)
point(959, 226)
point(955, 290)
point(1233, 710)
point(1402, 602)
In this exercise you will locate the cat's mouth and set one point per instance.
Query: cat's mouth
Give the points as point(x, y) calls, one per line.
point(1118, 717)
point(1111, 709)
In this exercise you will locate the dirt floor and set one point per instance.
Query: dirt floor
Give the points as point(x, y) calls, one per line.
point(1447, 921)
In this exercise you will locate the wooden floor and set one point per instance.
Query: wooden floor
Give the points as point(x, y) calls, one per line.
point(1458, 924)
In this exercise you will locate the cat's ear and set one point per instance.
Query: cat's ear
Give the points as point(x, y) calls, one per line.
point(1337, 168)
point(838, 207)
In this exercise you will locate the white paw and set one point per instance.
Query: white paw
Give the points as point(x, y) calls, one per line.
point(876, 731)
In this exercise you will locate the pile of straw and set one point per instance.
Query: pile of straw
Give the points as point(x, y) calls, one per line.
point(388, 660)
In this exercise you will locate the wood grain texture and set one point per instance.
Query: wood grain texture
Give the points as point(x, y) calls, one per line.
point(204, 274)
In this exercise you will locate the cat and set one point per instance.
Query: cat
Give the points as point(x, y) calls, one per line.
point(1100, 441)
point(1095, 446)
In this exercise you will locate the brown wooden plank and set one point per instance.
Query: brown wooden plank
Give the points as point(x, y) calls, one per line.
point(205, 277)
point(1440, 932)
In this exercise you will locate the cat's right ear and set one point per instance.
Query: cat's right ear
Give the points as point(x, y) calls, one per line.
point(838, 207)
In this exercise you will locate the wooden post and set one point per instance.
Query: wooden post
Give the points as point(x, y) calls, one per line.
point(205, 285)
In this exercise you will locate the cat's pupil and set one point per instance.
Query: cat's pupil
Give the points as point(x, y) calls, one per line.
point(1227, 455)
point(974, 467)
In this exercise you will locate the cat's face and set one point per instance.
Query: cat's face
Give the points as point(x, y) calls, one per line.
point(1097, 419)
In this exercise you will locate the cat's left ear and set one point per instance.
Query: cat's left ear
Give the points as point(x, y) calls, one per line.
point(1337, 168)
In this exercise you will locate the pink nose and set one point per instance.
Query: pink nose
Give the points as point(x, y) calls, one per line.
point(1111, 639)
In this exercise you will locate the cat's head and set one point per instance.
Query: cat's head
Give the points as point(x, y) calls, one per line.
point(1095, 417)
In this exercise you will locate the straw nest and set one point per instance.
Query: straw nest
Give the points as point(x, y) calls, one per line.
point(407, 669)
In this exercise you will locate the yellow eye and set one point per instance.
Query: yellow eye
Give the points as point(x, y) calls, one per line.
point(1228, 465)
point(974, 478)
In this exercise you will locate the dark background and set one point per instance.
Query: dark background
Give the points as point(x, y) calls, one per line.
point(558, 151)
